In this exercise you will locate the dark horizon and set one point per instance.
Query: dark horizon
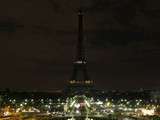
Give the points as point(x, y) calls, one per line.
point(38, 40)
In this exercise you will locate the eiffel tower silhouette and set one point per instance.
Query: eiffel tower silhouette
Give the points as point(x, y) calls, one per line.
point(80, 78)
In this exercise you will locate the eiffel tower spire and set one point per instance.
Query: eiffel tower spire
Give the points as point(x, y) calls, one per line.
point(80, 48)
point(80, 75)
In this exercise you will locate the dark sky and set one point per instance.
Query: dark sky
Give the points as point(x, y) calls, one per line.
point(38, 38)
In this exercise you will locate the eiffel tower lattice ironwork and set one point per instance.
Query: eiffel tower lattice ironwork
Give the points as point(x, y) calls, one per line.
point(80, 76)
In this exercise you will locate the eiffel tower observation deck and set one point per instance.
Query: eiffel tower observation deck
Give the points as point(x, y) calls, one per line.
point(80, 80)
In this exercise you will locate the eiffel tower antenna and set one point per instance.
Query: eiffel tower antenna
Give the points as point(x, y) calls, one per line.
point(80, 76)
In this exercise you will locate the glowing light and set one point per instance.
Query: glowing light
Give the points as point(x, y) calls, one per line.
point(147, 112)
point(6, 113)
point(99, 103)
point(77, 112)
point(72, 103)
point(80, 62)
point(108, 104)
point(77, 105)
point(87, 103)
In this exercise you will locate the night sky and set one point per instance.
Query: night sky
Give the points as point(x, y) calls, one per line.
point(38, 38)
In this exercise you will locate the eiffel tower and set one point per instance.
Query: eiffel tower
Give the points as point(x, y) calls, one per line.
point(80, 79)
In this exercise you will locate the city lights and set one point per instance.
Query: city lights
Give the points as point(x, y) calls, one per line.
point(79, 105)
